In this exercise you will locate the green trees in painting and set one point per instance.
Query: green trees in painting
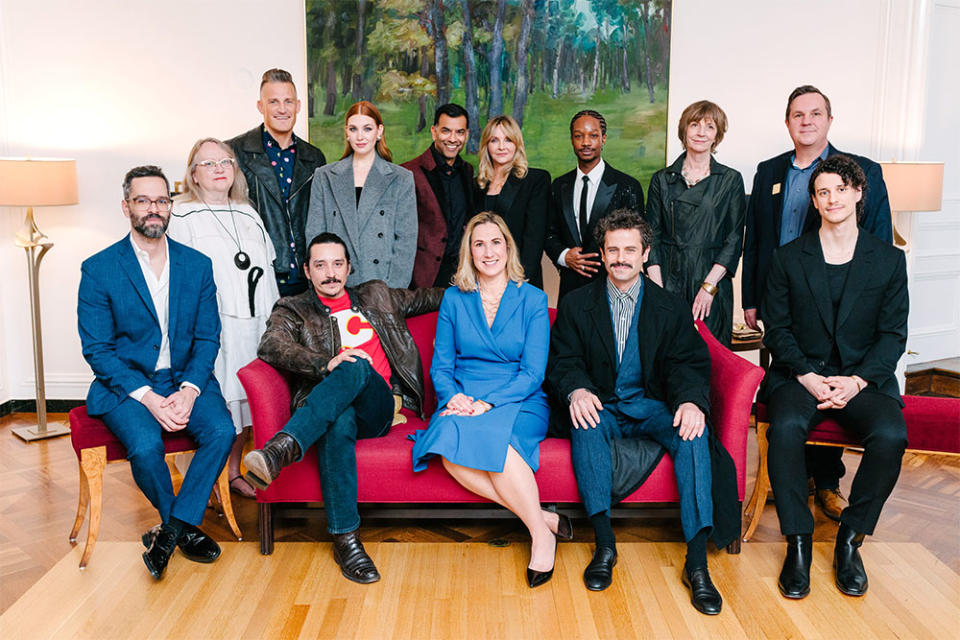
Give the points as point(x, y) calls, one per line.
point(493, 56)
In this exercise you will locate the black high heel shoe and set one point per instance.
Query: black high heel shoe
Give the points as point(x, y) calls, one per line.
point(536, 578)
point(564, 527)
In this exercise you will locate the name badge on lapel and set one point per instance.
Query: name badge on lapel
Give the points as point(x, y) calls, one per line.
point(776, 189)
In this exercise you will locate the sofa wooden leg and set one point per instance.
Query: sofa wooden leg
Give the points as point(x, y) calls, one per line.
point(265, 518)
point(762, 484)
point(226, 502)
point(93, 461)
point(82, 505)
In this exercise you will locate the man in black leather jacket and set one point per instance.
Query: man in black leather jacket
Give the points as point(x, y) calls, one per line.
point(355, 362)
point(279, 170)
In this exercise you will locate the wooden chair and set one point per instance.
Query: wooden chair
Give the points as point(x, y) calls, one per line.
point(96, 447)
point(933, 426)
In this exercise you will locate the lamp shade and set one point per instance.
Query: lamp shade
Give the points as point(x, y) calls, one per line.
point(914, 186)
point(37, 182)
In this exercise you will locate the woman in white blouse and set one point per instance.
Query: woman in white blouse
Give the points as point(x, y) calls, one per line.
point(214, 217)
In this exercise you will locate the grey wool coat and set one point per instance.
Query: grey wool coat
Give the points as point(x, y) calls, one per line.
point(380, 231)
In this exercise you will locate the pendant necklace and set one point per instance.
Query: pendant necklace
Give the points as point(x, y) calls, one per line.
point(240, 259)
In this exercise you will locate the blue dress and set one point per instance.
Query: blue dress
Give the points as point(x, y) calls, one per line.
point(502, 365)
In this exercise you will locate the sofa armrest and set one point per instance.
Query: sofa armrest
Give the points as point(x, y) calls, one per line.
point(733, 385)
point(268, 393)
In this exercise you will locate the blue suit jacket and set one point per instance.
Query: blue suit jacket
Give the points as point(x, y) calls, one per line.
point(764, 216)
point(120, 332)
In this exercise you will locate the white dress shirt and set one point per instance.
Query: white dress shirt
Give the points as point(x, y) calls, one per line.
point(593, 183)
point(160, 295)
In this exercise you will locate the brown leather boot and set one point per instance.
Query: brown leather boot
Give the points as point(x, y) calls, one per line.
point(264, 465)
point(831, 502)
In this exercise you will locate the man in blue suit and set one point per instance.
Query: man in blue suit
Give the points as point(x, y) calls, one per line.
point(780, 211)
point(147, 313)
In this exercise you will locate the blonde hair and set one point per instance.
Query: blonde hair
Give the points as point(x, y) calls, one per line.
point(365, 108)
point(191, 190)
point(511, 130)
point(465, 278)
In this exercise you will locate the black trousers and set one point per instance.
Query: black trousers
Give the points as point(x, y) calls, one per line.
point(825, 465)
point(873, 417)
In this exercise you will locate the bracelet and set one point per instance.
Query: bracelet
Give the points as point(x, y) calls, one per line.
point(709, 288)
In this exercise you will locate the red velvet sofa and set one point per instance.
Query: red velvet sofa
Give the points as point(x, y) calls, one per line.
point(384, 468)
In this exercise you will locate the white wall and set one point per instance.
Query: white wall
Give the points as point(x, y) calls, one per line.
point(117, 83)
point(114, 84)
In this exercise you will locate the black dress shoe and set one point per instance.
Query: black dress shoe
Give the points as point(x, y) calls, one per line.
point(353, 560)
point(703, 595)
point(851, 576)
point(198, 546)
point(157, 555)
point(599, 573)
point(263, 465)
point(794, 579)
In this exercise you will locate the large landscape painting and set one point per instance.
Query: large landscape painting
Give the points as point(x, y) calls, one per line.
point(538, 60)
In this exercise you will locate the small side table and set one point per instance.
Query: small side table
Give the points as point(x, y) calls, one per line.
point(751, 345)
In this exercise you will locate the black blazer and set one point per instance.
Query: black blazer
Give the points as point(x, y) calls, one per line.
point(764, 210)
point(617, 191)
point(524, 204)
point(870, 330)
point(674, 358)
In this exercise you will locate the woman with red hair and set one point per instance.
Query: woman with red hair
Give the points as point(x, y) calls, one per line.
point(368, 201)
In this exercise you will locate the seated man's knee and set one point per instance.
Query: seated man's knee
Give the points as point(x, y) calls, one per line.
point(888, 436)
point(788, 431)
point(145, 449)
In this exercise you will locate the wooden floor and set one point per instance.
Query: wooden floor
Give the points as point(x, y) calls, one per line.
point(474, 590)
point(38, 493)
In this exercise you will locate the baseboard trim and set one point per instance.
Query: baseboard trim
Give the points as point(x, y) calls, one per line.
point(30, 406)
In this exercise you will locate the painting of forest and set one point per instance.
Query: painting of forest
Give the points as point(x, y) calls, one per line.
point(539, 60)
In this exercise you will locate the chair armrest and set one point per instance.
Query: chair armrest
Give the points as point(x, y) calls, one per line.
point(268, 393)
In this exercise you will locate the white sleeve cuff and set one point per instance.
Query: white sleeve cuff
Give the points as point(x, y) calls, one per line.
point(562, 259)
point(191, 385)
point(137, 394)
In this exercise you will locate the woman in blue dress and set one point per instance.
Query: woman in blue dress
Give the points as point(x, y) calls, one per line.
point(489, 358)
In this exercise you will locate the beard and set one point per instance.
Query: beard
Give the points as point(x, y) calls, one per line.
point(148, 230)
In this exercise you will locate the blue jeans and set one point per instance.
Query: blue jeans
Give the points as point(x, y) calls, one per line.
point(210, 426)
point(590, 454)
point(352, 402)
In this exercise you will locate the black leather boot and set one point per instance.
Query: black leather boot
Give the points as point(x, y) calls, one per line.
point(264, 465)
point(162, 544)
point(851, 576)
point(794, 579)
point(353, 560)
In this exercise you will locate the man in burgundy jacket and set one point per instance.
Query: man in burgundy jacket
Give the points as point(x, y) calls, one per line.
point(444, 185)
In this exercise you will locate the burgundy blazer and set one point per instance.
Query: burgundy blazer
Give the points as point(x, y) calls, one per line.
point(432, 230)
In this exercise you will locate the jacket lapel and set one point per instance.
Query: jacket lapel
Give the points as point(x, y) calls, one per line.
point(780, 175)
point(479, 319)
point(857, 279)
point(566, 201)
point(267, 178)
point(380, 176)
point(815, 272)
point(175, 271)
point(602, 320)
point(508, 193)
point(604, 194)
point(130, 264)
point(341, 183)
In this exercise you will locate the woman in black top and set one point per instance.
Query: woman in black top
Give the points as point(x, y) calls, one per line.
point(697, 209)
point(518, 193)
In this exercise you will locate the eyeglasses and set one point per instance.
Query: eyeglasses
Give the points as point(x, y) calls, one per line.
point(142, 203)
point(226, 163)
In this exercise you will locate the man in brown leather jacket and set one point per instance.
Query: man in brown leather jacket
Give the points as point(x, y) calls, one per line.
point(352, 354)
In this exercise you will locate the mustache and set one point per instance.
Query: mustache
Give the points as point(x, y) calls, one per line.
point(621, 264)
point(331, 281)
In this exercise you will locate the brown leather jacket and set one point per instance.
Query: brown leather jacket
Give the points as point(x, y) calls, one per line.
point(301, 337)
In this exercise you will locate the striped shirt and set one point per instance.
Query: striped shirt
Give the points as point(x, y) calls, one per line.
point(622, 305)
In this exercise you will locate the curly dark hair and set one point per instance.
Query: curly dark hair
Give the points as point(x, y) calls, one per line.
point(623, 219)
point(848, 170)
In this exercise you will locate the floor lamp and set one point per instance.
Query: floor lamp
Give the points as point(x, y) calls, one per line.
point(33, 183)
point(912, 186)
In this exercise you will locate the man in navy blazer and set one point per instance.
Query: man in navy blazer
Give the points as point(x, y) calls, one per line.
point(779, 211)
point(147, 314)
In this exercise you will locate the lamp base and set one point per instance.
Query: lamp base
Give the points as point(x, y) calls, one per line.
point(30, 434)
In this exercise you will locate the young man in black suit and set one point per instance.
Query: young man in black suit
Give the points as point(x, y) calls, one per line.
point(580, 198)
point(627, 360)
point(779, 211)
point(836, 314)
